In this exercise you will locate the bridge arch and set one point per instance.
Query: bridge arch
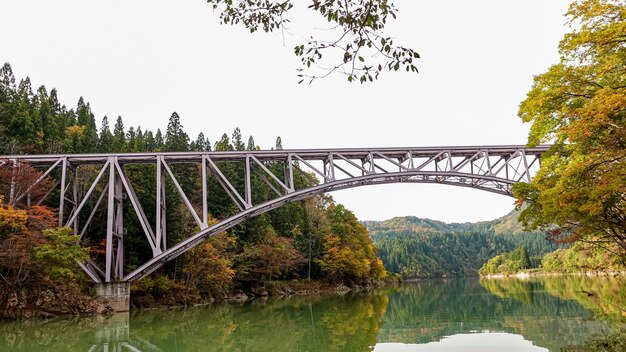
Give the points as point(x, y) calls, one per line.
point(489, 168)
point(226, 224)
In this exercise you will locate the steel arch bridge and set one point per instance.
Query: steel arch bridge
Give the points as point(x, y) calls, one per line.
point(489, 168)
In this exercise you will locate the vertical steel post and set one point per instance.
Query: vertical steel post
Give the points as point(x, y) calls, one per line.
point(205, 205)
point(289, 174)
point(110, 220)
point(62, 192)
point(159, 180)
point(12, 191)
point(526, 167)
point(160, 236)
point(247, 182)
point(329, 168)
point(75, 199)
point(119, 228)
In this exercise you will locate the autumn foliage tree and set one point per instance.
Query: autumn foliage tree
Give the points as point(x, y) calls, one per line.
point(28, 238)
point(272, 258)
point(348, 251)
point(33, 250)
point(579, 104)
point(209, 266)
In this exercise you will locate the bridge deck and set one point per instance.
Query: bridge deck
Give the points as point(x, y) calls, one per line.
point(264, 155)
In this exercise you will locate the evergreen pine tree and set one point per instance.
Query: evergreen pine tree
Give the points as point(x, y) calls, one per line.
point(119, 136)
point(86, 119)
point(200, 144)
point(105, 142)
point(158, 141)
point(149, 142)
point(131, 140)
point(251, 145)
point(176, 140)
point(140, 143)
point(279, 143)
point(224, 144)
point(237, 140)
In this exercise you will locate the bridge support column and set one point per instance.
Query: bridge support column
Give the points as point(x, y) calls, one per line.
point(115, 295)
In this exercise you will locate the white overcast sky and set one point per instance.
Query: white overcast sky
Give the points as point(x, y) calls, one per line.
point(145, 59)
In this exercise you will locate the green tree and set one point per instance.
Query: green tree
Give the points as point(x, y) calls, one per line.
point(105, 142)
point(279, 143)
point(357, 42)
point(85, 118)
point(59, 255)
point(237, 140)
point(176, 140)
point(251, 145)
point(579, 104)
point(119, 137)
point(158, 141)
point(201, 144)
point(507, 263)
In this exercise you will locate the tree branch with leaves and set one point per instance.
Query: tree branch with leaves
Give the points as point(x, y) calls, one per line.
point(357, 47)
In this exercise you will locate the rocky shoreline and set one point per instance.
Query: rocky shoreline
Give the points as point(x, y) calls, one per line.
point(274, 289)
point(47, 302)
point(50, 301)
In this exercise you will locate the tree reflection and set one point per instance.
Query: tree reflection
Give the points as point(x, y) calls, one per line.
point(550, 312)
point(342, 323)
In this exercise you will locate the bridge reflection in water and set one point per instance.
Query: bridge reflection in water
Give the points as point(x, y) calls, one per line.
point(548, 313)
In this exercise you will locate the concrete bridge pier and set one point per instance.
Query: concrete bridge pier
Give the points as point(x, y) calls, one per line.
point(115, 295)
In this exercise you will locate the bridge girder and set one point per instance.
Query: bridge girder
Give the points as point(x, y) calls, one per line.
point(489, 168)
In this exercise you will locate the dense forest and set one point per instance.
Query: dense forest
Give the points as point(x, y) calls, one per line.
point(507, 263)
point(580, 257)
point(427, 248)
point(315, 238)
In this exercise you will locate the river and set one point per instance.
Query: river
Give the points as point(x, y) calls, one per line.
point(435, 315)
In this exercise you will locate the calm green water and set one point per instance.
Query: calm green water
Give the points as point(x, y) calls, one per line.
point(452, 315)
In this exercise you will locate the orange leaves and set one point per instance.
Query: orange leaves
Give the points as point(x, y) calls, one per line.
point(11, 220)
point(269, 260)
point(23, 179)
point(209, 266)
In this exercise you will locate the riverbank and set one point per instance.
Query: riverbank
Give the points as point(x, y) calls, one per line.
point(539, 273)
point(47, 301)
point(185, 297)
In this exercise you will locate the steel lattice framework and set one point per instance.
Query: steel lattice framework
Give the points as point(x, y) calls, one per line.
point(489, 168)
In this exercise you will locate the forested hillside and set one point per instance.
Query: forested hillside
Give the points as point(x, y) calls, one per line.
point(417, 247)
point(315, 238)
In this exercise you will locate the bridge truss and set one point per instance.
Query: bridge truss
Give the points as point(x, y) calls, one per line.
point(489, 168)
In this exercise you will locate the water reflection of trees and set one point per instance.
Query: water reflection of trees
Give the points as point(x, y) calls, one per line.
point(341, 323)
point(550, 312)
point(50, 335)
point(604, 296)
point(298, 324)
point(429, 310)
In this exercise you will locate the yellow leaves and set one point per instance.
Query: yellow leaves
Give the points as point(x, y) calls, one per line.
point(580, 104)
point(12, 220)
point(75, 131)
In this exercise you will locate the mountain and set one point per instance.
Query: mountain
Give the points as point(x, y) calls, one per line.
point(417, 247)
